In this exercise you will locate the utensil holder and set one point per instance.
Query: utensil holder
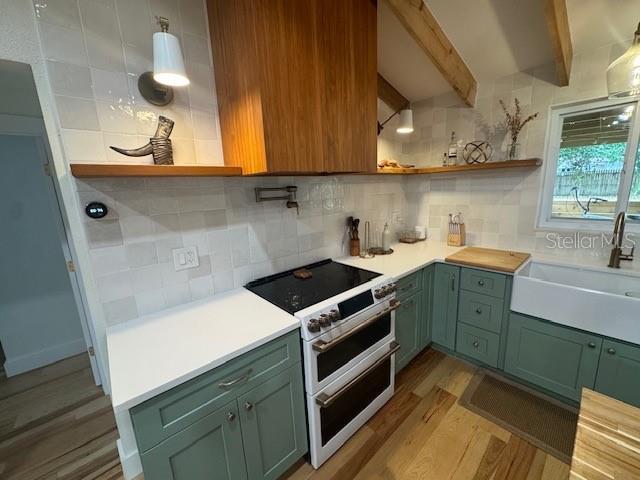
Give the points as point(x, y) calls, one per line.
point(354, 247)
point(457, 239)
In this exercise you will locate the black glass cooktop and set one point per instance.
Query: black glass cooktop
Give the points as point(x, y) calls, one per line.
point(329, 278)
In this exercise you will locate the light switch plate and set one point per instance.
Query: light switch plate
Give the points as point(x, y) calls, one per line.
point(184, 258)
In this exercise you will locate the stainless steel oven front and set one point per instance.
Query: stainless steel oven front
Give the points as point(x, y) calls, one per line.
point(345, 405)
point(337, 351)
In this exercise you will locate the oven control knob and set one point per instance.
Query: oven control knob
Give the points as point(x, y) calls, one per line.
point(334, 315)
point(385, 290)
point(379, 293)
point(325, 320)
point(313, 326)
point(393, 287)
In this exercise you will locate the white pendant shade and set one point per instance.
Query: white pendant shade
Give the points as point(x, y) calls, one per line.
point(406, 122)
point(168, 65)
point(623, 75)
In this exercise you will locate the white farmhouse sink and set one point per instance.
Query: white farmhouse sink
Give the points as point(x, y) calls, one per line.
point(598, 301)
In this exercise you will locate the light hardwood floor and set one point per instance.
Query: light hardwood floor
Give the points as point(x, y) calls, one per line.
point(422, 433)
point(56, 424)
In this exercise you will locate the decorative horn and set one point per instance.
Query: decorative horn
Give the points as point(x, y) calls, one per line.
point(159, 145)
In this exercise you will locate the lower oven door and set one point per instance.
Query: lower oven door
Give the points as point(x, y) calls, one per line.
point(337, 412)
point(331, 355)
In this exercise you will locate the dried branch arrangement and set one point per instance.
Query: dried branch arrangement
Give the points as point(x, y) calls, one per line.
point(515, 122)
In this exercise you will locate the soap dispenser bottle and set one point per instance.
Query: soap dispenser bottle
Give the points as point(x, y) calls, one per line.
point(386, 238)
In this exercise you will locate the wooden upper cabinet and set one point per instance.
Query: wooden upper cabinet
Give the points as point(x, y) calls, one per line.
point(296, 84)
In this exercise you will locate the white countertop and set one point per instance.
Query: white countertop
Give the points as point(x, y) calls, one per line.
point(405, 259)
point(153, 354)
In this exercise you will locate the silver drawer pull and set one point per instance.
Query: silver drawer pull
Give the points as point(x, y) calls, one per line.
point(475, 343)
point(231, 416)
point(322, 346)
point(325, 400)
point(235, 381)
point(478, 310)
point(481, 283)
point(248, 406)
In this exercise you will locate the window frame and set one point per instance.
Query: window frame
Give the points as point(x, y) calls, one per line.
point(552, 149)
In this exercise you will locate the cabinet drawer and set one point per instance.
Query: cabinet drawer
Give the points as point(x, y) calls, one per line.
point(174, 410)
point(480, 310)
point(480, 281)
point(479, 344)
point(409, 285)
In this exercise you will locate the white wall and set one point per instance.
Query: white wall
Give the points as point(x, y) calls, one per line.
point(82, 53)
point(500, 207)
point(39, 321)
point(20, 42)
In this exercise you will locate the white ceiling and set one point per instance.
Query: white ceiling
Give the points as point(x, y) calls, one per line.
point(495, 38)
point(595, 23)
point(402, 63)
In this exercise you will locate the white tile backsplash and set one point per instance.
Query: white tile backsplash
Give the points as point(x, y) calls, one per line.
point(95, 51)
point(132, 252)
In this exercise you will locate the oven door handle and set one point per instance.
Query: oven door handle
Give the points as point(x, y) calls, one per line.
point(325, 400)
point(322, 346)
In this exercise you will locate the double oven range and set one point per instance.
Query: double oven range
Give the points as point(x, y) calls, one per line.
point(347, 320)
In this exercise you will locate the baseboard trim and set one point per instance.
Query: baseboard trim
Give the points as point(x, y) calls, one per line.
point(24, 363)
point(131, 466)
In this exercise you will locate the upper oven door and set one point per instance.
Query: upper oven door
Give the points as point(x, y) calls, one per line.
point(335, 352)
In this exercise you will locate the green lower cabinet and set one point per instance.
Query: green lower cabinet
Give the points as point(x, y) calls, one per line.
point(274, 425)
point(257, 436)
point(408, 329)
point(446, 280)
point(427, 301)
point(478, 344)
point(553, 357)
point(619, 372)
point(210, 448)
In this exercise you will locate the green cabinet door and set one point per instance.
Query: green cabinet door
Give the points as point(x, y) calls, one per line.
point(446, 280)
point(551, 356)
point(427, 301)
point(211, 448)
point(619, 372)
point(408, 329)
point(274, 427)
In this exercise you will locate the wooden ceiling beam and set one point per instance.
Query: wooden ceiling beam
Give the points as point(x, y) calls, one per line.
point(389, 95)
point(425, 30)
point(555, 12)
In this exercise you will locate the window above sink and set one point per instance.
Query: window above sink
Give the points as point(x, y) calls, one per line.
point(592, 170)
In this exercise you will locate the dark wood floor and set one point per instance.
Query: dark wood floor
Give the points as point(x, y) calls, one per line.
point(56, 424)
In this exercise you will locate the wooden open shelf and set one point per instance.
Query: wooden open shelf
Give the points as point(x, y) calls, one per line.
point(93, 170)
point(530, 162)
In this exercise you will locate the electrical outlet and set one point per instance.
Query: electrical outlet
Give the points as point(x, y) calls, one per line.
point(396, 218)
point(184, 258)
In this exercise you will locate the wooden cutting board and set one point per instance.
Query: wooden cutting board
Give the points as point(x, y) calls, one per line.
point(500, 260)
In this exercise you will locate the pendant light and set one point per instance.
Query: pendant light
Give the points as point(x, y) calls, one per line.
point(623, 75)
point(406, 121)
point(168, 68)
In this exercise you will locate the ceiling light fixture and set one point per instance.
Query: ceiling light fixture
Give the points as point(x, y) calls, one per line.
point(168, 68)
point(406, 121)
point(623, 75)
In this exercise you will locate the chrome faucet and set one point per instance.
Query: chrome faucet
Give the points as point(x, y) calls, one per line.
point(618, 238)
